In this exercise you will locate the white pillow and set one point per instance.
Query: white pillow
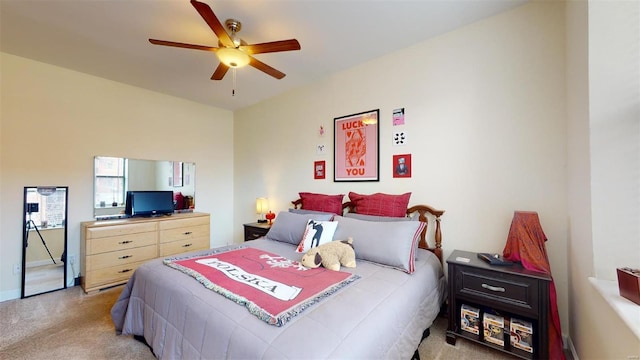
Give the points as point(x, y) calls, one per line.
point(316, 234)
point(387, 243)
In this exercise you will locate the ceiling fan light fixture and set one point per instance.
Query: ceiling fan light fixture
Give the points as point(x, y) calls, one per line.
point(232, 51)
point(233, 58)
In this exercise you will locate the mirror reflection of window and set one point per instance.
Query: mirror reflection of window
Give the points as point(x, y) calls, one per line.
point(110, 181)
point(113, 177)
point(51, 208)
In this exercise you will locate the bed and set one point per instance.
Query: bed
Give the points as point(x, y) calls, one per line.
point(384, 313)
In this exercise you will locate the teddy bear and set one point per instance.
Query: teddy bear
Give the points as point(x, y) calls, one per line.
point(331, 255)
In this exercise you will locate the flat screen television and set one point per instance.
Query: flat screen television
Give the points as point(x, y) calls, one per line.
point(149, 203)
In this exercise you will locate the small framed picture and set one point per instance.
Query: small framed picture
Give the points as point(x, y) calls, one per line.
point(319, 169)
point(402, 166)
point(398, 117)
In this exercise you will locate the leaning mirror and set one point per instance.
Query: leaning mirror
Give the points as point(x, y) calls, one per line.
point(114, 176)
point(44, 235)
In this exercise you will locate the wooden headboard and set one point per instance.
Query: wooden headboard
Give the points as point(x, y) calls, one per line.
point(423, 212)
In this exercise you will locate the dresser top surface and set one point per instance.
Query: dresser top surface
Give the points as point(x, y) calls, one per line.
point(138, 220)
point(259, 225)
point(458, 257)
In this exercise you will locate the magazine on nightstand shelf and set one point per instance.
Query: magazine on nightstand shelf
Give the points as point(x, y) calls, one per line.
point(493, 329)
point(522, 335)
point(470, 319)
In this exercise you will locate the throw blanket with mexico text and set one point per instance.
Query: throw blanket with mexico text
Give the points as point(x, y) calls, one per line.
point(272, 287)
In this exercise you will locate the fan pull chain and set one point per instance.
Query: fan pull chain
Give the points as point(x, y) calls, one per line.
point(233, 91)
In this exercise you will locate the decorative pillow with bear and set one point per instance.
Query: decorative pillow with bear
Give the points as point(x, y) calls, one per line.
point(290, 227)
point(316, 233)
point(387, 243)
point(322, 202)
point(380, 204)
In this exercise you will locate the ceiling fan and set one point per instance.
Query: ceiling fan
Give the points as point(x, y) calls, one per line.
point(232, 51)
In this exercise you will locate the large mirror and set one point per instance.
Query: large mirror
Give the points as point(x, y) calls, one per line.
point(114, 176)
point(44, 235)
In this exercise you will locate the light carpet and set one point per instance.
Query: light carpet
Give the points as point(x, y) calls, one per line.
point(69, 324)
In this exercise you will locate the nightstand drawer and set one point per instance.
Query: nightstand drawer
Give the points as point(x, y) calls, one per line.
point(255, 230)
point(512, 290)
point(252, 234)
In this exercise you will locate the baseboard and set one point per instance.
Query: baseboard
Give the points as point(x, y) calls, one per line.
point(10, 295)
point(568, 345)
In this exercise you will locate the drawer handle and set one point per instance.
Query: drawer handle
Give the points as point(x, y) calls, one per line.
point(124, 271)
point(186, 245)
point(188, 233)
point(125, 242)
point(125, 257)
point(493, 288)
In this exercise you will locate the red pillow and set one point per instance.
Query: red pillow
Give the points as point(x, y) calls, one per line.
point(322, 202)
point(381, 204)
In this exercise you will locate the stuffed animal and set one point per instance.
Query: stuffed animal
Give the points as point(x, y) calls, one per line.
point(331, 255)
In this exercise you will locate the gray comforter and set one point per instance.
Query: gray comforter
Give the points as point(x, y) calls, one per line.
point(381, 315)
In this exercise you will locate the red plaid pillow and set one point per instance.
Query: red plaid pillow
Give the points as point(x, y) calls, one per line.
point(381, 204)
point(322, 202)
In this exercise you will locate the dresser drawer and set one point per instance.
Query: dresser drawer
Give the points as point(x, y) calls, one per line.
point(113, 274)
point(120, 229)
point(511, 290)
point(122, 242)
point(121, 257)
point(182, 223)
point(184, 233)
point(181, 246)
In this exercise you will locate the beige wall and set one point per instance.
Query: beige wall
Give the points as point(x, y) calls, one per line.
point(614, 118)
point(492, 126)
point(485, 118)
point(597, 332)
point(54, 121)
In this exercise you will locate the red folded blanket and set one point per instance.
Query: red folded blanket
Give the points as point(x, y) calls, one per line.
point(272, 287)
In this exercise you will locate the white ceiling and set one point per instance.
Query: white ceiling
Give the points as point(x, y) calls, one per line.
point(109, 39)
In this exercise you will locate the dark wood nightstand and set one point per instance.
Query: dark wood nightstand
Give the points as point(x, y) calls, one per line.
point(510, 292)
point(255, 230)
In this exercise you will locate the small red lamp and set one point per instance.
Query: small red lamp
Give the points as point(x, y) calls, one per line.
point(270, 216)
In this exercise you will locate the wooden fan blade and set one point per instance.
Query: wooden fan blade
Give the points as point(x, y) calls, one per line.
point(207, 14)
point(274, 46)
point(182, 45)
point(265, 68)
point(221, 70)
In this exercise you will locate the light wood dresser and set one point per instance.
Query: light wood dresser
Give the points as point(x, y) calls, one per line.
point(111, 250)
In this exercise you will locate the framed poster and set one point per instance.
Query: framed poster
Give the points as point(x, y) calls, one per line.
point(356, 147)
point(402, 166)
point(319, 169)
point(177, 173)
